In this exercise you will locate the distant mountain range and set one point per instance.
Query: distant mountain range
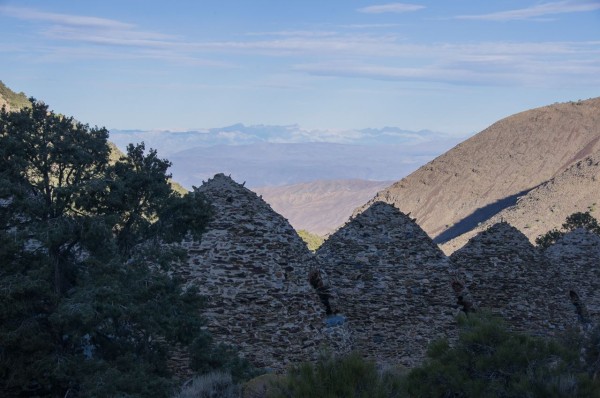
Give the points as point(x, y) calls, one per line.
point(171, 142)
point(279, 155)
point(329, 172)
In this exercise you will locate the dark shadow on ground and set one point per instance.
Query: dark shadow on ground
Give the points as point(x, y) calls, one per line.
point(478, 216)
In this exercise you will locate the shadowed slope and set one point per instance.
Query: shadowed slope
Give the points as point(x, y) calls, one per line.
point(576, 189)
point(513, 155)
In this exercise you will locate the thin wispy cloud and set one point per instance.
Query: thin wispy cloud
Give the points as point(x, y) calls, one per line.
point(63, 19)
point(92, 29)
point(391, 8)
point(429, 73)
point(486, 64)
point(339, 45)
point(288, 33)
point(370, 26)
point(116, 38)
point(355, 53)
point(537, 11)
point(108, 35)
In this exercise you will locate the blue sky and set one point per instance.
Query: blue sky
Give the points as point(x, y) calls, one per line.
point(451, 66)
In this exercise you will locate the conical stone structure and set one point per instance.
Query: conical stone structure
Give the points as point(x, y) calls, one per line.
point(506, 274)
point(576, 256)
point(254, 271)
point(391, 283)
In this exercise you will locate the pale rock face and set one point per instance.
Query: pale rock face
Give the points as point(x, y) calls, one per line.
point(507, 275)
point(253, 269)
point(576, 257)
point(391, 283)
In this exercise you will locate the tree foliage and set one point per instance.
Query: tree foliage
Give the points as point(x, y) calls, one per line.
point(488, 360)
point(348, 376)
point(87, 305)
point(576, 220)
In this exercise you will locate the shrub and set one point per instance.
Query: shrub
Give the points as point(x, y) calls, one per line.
point(222, 357)
point(313, 241)
point(488, 360)
point(211, 385)
point(350, 376)
point(261, 386)
point(549, 238)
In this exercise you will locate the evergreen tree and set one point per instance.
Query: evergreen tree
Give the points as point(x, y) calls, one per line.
point(576, 220)
point(87, 306)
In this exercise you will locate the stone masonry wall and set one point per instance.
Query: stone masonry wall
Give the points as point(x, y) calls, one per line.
point(379, 285)
point(504, 273)
point(254, 269)
point(576, 257)
point(391, 283)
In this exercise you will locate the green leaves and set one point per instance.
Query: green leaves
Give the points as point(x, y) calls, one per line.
point(313, 241)
point(53, 156)
point(582, 220)
point(86, 304)
point(350, 376)
point(489, 360)
point(574, 221)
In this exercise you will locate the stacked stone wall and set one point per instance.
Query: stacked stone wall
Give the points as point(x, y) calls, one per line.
point(506, 275)
point(391, 284)
point(379, 285)
point(576, 258)
point(253, 269)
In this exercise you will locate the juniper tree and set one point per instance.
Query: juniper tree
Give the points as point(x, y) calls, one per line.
point(576, 220)
point(87, 306)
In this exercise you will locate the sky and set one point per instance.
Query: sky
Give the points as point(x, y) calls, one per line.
point(454, 66)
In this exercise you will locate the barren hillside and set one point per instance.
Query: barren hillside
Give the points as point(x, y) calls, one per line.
point(488, 172)
point(320, 206)
point(577, 189)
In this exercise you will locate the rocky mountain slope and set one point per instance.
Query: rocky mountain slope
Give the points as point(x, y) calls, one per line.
point(13, 101)
point(320, 206)
point(577, 189)
point(490, 171)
